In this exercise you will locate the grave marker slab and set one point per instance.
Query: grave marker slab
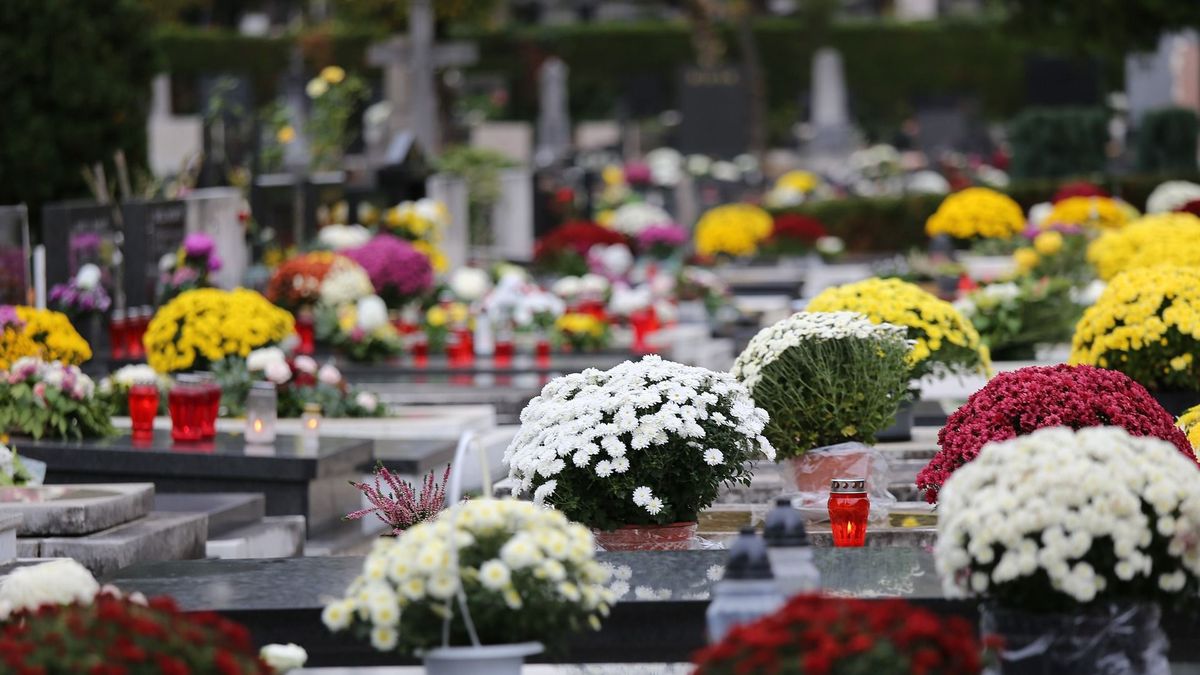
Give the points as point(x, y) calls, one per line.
point(16, 275)
point(715, 104)
point(76, 233)
point(153, 229)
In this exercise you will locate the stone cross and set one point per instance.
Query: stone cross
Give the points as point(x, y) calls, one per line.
point(554, 122)
point(410, 65)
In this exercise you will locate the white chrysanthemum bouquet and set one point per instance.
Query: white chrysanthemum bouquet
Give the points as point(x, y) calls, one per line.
point(826, 378)
point(525, 572)
point(646, 442)
point(1059, 518)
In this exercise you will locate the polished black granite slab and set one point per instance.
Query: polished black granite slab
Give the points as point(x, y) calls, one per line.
point(295, 478)
point(440, 368)
point(659, 618)
point(415, 457)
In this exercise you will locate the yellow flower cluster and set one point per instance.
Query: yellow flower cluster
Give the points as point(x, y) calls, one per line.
point(799, 181)
point(1171, 239)
point(977, 212)
point(732, 229)
point(941, 333)
point(421, 223)
point(1189, 422)
point(1100, 212)
point(204, 325)
point(47, 335)
point(1145, 324)
point(455, 313)
point(580, 323)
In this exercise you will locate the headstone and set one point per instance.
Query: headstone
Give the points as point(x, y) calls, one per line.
point(597, 135)
point(216, 211)
point(153, 229)
point(404, 170)
point(830, 129)
point(16, 276)
point(173, 140)
point(512, 216)
point(715, 104)
point(80, 232)
point(228, 130)
point(554, 122)
point(452, 191)
point(409, 67)
point(512, 139)
point(1166, 77)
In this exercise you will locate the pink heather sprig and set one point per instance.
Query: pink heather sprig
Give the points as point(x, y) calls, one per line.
point(400, 508)
point(1019, 402)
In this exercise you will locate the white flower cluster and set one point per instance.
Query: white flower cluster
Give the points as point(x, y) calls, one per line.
point(634, 217)
point(346, 281)
point(567, 421)
point(283, 658)
point(1038, 503)
point(774, 340)
point(273, 364)
point(517, 299)
point(543, 549)
point(60, 582)
point(342, 237)
point(67, 378)
point(990, 296)
point(1171, 195)
point(569, 288)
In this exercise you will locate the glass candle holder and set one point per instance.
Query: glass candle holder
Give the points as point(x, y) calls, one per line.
point(133, 334)
point(143, 406)
point(117, 326)
point(185, 403)
point(262, 404)
point(210, 404)
point(848, 510)
point(310, 421)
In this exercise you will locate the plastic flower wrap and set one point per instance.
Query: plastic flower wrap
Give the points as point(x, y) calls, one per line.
point(945, 341)
point(399, 272)
point(646, 442)
point(1062, 518)
point(1019, 402)
point(977, 212)
point(564, 250)
point(1100, 212)
point(1152, 241)
point(1171, 195)
point(733, 229)
point(13, 471)
point(825, 378)
point(26, 331)
point(345, 281)
point(821, 634)
point(39, 398)
point(794, 234)
point(1146, 324)
point(203, 326)
point(526, 573)
point(296, 284)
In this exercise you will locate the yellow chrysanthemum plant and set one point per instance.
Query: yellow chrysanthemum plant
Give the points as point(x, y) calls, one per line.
point(1146, 324)
point(1189, 422)
point(977, 212)
point(203, 326)
point(945, 342)
point(422, 223)
point(733, 230)
point(1099, 212)
point(40, 333)
point(1167, 239)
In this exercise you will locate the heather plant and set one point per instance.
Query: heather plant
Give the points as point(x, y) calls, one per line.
point(395, 501)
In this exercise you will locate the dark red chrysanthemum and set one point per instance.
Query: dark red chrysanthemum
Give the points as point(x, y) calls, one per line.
point(578, 237)
point(1019, 402)
point(1080, 188)
point(793, 226)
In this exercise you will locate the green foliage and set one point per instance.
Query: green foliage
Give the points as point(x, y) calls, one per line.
point(480, 168)
point(1107, 27)
point(390, 16)
point(56, 414)
point(76, 88)
point(1166, 140)
point(1058, 142)
point(1041, 312)
point(824, 392)
point(332, 111)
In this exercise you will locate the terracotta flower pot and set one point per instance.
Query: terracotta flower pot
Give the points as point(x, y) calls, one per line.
point(673, 537)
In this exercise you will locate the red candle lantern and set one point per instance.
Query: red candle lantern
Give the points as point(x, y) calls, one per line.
point(848, 510)
point(117, 327)
point(306, 331)
point(208, 403)
point(143, 406)
point(187, 404)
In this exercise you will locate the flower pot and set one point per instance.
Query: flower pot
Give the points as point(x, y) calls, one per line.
point(1116, 638)
point(808, 477)
point(901, 429)
point(673, 537)
point(484, 660)
point(1176, 401)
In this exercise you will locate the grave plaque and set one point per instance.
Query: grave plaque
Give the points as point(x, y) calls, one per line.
point(715, 103)
point(77, 233)
point(273, 201)
point(15, 275)
point(153, 229)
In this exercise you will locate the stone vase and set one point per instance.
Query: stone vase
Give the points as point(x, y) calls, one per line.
point(673, 537)
point(504, 659)
point(1111, 639)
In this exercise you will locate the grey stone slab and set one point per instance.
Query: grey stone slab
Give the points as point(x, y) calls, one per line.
point(271, 537)
point(154, 538)
point(52, 510)
point(226, 511)
point(9, 522)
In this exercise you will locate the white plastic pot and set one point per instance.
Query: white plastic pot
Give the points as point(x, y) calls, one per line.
point(482, 660)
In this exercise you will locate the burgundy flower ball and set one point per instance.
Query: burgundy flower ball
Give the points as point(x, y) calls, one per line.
point(1019, 402)
point(397, 270)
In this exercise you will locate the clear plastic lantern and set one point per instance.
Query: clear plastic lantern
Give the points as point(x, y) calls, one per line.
point(261, 405)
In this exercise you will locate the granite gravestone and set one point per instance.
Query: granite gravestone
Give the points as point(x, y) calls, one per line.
point(77, 233)
point(554, 121)
point(715, 104)
point(16, 281)
point(830, 129)
point(153, 229)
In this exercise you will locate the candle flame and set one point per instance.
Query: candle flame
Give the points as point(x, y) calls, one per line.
point(312, 424)
point(258, 425)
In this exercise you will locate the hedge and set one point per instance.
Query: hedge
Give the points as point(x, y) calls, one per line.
point(898, 223)
point(1058, 142)
point(1166, 140)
